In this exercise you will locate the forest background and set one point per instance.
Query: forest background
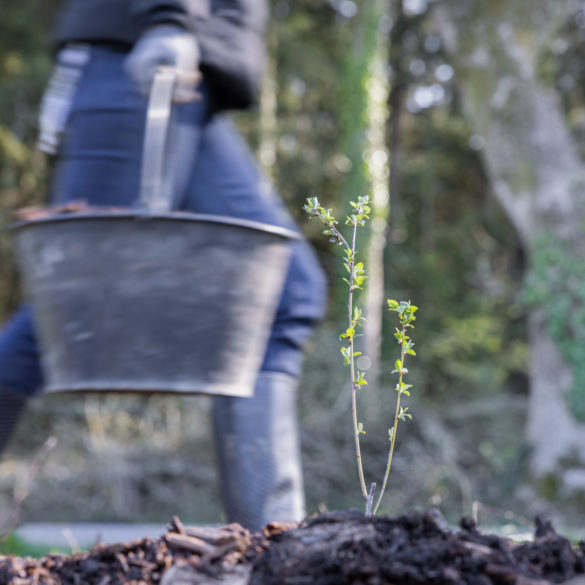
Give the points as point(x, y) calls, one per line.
point(465, 123)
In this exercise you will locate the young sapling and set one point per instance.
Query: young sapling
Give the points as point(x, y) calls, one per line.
point(405, 310)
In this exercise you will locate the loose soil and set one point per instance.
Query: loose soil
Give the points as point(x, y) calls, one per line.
point(343, 548)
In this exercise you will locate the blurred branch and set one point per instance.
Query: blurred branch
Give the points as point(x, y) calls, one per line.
point(396, 97)
point(9, 521)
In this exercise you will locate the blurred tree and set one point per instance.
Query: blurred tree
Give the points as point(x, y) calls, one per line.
point(24, 66)
point(537, 174)
point(451, 249)
point(376, 161)
point(267, 121)
point(349, 55)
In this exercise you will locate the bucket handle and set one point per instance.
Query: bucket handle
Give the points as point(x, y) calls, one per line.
point(155, 193)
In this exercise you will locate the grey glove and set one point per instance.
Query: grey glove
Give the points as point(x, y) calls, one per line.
point(167, 45)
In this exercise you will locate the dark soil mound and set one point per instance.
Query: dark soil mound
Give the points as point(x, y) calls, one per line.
point(343, 548)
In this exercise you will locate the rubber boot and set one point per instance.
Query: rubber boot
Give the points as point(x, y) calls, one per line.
point(258, 453)
point(12, 407)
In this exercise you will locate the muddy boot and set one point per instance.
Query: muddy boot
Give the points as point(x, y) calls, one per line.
point(11, 408)
point(258, 453)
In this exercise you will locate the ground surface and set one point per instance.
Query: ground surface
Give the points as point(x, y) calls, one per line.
point(343, 548)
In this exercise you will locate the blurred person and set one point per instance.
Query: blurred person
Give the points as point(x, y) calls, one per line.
point(92, 122)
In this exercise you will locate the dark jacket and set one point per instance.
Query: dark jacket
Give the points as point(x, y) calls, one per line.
point(230, 35)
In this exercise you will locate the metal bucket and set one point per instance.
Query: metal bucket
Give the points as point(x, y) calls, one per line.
point(152, 300)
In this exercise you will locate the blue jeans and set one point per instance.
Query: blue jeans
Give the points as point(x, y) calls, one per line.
point(100, 162)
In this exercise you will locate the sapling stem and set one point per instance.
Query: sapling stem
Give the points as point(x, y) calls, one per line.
point(406, 314)
point(354, 386)
point(370, 500)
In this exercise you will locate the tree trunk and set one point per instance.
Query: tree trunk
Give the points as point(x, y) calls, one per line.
point(536, 174)
point(376, 157)
point(363, 115)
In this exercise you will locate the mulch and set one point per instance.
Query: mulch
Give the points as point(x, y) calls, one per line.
point(341, 548)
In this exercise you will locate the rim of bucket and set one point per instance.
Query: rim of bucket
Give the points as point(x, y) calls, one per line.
point(240, 389)
point(144, 215)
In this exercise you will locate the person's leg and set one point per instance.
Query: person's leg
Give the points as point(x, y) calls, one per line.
point(257, 439)
point(99, 159)
point(20, 371)
point(258, 452)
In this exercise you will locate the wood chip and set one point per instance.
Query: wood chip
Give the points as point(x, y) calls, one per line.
point(178, 525)
point(190, 543)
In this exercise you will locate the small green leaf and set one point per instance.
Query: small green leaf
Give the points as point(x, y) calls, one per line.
point(349, 333)
point(346, 355)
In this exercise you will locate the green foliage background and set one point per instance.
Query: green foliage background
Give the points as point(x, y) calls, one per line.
point(24, 67)
point(451, 252)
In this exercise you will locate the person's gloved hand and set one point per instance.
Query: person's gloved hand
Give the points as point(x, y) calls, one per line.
point(167, 45)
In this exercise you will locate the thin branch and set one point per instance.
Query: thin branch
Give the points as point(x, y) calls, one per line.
point(356, 430)
point(23, 490)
